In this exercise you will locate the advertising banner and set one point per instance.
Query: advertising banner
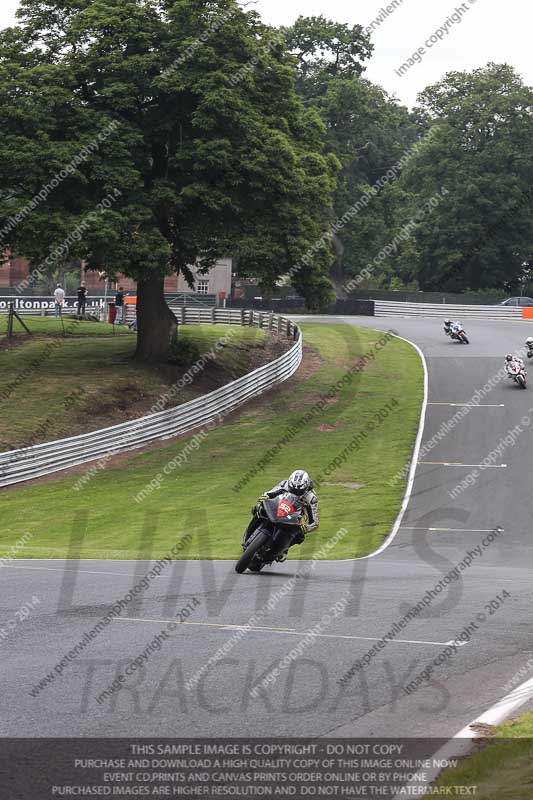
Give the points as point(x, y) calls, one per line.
point(36, 303)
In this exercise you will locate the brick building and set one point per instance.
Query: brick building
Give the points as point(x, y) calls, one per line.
point(12, 272)
point(218, 280)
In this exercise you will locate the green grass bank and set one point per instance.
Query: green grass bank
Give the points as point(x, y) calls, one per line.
point(359, 436)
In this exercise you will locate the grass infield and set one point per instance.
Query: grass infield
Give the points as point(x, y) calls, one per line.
point(350, 418)
point(503, 768)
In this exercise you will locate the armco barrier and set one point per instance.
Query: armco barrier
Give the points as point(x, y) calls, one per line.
point(43, 459)
point(267, 320)
point(386, 308)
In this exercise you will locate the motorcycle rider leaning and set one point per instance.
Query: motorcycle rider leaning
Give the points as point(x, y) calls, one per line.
point(529, 345)
point(451, 326)
point(300, 484)
point(510, 359)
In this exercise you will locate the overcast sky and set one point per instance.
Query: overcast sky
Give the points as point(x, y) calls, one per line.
point(489, 30)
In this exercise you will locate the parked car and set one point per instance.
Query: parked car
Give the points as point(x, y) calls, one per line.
point(517, 301)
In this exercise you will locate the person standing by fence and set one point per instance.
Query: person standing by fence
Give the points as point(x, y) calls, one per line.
point(119, 305)
point(82, 299)
point(59, 299)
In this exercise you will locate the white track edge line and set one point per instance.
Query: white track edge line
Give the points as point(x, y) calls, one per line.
point(414, 462)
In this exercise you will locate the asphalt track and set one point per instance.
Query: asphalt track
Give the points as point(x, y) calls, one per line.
point(436, 533)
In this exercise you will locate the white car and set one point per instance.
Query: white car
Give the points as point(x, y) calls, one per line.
point(517, 301)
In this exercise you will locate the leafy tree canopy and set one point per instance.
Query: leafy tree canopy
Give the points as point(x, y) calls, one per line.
point(326, 49)
point(481, 150)
point(366, 130)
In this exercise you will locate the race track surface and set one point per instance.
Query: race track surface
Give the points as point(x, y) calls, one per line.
point(438, 531)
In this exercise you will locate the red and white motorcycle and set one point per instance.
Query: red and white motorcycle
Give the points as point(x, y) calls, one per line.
point(457, 332)
point(518, 373)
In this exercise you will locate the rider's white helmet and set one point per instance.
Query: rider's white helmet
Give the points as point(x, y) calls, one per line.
point(529, 341)
point(299, 482)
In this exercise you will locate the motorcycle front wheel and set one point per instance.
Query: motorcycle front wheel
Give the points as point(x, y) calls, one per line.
point(246, 559)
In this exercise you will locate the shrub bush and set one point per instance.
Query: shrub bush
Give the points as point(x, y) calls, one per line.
point(183, 351)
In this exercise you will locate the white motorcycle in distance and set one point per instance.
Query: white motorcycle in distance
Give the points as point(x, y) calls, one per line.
point(529, 345)
point(457, 333)
point(517, 372)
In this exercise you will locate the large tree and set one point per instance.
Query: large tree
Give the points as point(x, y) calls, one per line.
point(481, 150)
point(203, 146)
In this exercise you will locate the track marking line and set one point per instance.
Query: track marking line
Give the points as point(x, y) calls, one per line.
point(470, 405)
point(257, 629)
point(88, 571)
point(494, 358)
point(452, 530)
point(459, 464)
point(219, 625)
point(286, 631)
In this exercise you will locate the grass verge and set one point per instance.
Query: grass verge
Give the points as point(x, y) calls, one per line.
point(503, 768)
point(203, 495)
point(52, 388)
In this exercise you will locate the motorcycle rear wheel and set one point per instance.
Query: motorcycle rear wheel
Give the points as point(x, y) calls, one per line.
point(246, 559)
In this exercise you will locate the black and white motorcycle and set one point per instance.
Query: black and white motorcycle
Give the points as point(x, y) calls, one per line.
point(280, 524)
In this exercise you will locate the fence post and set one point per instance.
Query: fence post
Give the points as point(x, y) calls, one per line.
point(280, 325)
point(10, 322)
point(242, 316)
point(214, 315)
point(271, 321)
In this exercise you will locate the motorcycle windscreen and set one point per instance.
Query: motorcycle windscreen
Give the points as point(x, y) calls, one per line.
point(289, 511)
point(286, 509)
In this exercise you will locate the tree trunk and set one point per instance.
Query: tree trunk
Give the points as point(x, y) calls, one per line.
point(156, 323)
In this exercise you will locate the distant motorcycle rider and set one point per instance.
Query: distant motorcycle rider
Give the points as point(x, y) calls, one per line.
point(452, 326)
point(300, 484)
point(529, 345)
